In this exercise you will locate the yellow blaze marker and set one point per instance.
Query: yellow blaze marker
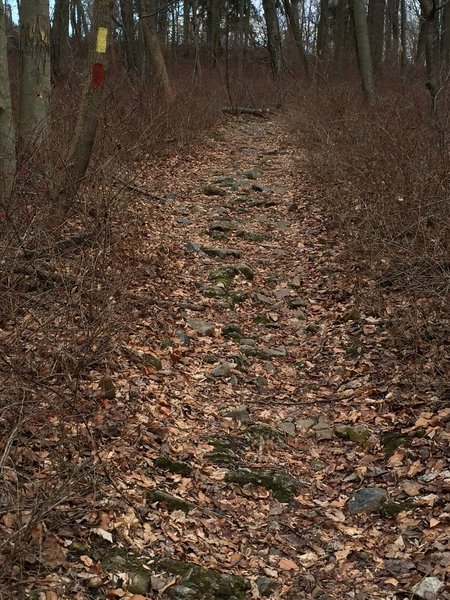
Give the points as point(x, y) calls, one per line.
point(102, 36)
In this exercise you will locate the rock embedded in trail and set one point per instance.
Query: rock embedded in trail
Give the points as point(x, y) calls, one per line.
point(223, 225)
point(283, 486)
point(203, 328)
point(166, 463)
point(222, 370)
point(193, 247)
point(240, 413)
point(222, 252)
point(355, 433)
point(367, 500)
point(198, 583)
point(428, 588)
point(213, 190)
point(215, 291)
point(277, 352)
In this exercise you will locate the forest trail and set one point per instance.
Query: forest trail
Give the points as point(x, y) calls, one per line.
point(258, 405)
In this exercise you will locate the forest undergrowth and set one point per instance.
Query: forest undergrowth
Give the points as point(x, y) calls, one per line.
point(97, 382)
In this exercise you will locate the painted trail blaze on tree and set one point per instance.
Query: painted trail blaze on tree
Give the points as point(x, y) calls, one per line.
point(98, 74)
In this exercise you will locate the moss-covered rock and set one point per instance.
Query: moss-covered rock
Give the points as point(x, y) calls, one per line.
point(215, 291)
point(253, 236)
point(107, 388)
point(166, 463)
point(172, 502)
point(154, 361)
point(354, 433)
point(262, 320)
point(213, 190)
point(226, 273)
point(392, 509)
point(283, 486)
point(391, 440)
point(260, 432)
point(222, 252)
point(139, 581)
point(237, 297)
point(226, 450)
point(198, 583)
point(232, 330)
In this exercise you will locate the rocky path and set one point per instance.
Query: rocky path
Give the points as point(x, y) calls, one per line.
point(251, 432)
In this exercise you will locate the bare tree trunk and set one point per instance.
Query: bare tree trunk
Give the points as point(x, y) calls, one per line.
point(363, 50)
point(274, 38)
point(323, 30)
point(126, 12)
point(60, 35)
point(155, 56)
point(296, 33)
point(186, 26)
point(7, 130)
point(375, 21)
point(445, 36)
point(35, 86)
point(403, 25)
point(420, 51)
point(431, 36)
point(340, 35)
point(213, 30)
point(89, 113)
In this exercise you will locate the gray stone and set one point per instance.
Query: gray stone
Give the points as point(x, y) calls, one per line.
point(273, 352)
point(282, 225)
point(232, 330)
point(323, 430)
point(305, 423)
point(192, 247)
point(428, 588)
point(262, 298)
point(266, 585)
point(247, 341)
point(282, 293)
point(367, 500)
point(222, 370)
point(253, 174)
point(296, 282)
point(202, 327)
point(212, 190)
point(288, 427)
point(258, 187)
point(297, 303)
point(184, 338)
point(215, 291)
point(139, 582)
point(240, 414)
point(223, 225)
point(184, 220)
point(170, 196)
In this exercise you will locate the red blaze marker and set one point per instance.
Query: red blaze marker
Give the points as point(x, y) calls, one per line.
point(98, 74)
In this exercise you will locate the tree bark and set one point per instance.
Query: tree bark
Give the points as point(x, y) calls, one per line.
point(89, 112)
point(60, 36)
point(445, 36)
point(7, 130)
point(126, 12)
point(213, 31)
point(340, 35)
point(155, 57)
point(375, 21)
point(431, 39)
point(296, 33)
point(323, 30)
point(35, 86)
point(363, 50)
point(274, 38)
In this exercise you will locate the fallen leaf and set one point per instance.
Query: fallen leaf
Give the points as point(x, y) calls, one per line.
point(288, 565)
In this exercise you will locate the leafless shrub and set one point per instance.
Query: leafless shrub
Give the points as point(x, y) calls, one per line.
point(383, 173)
